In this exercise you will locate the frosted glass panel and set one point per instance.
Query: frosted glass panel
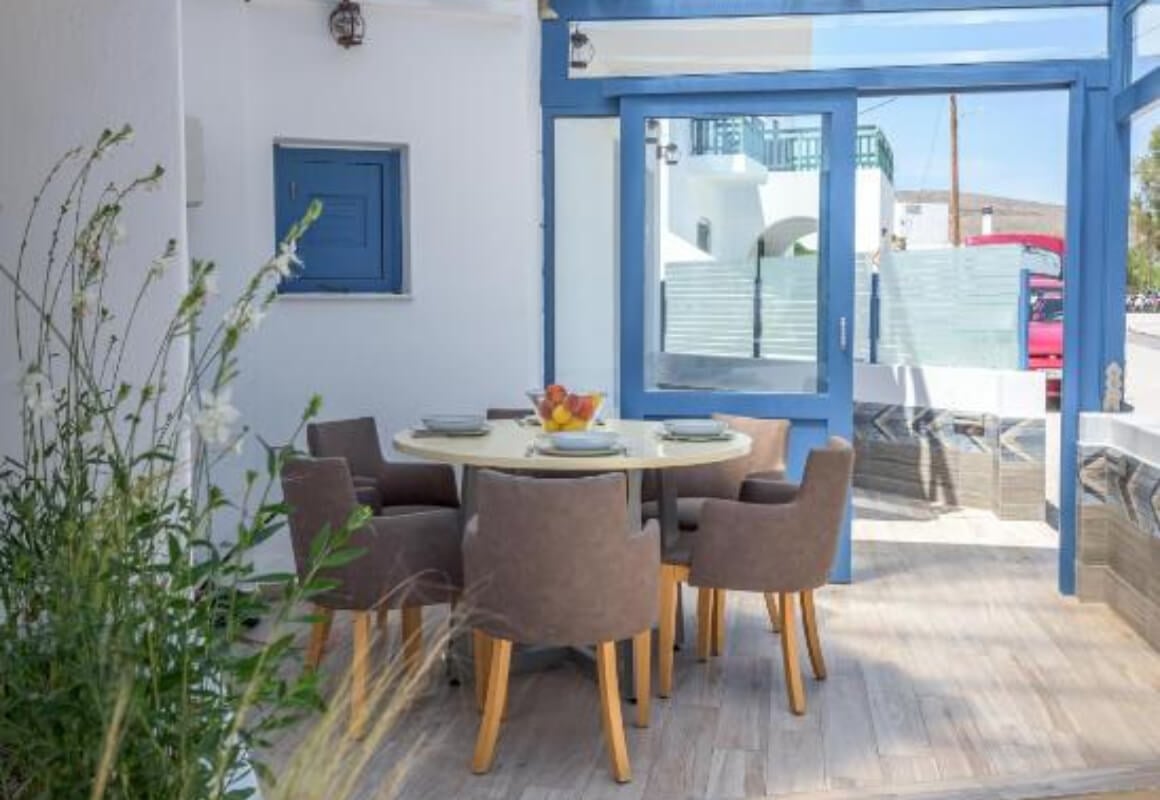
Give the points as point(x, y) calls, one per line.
point(951, 307)
point(716, 45)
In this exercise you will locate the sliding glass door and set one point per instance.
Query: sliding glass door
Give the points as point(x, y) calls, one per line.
point(736, 279)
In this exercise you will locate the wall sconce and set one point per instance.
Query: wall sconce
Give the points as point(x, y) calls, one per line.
point(669, 153)
point(581, 51)
point(652, 131)
point(347, 25)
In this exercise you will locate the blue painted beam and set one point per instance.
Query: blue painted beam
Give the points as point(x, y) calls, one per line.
point(1139, 95)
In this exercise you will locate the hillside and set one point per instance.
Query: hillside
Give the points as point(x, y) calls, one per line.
point(1010, 215)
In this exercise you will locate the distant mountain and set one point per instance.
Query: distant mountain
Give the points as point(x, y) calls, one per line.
point(1010, 215)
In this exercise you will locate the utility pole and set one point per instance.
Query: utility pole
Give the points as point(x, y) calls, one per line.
point(956, 216)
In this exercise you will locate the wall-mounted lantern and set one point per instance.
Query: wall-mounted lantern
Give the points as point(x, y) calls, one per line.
point(347, 25)
point(669, 153)
point(581, 51)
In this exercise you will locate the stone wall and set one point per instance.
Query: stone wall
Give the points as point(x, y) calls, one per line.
point(1118, 552)
point(952, 458)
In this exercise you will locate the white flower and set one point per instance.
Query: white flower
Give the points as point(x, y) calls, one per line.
point(159, 266)
point(84, 301)
point(210, 284)
point(119, 233)
point(38, 397)
point(215, 417)
point(237, 446)
point(286, 260)
point(244, 316)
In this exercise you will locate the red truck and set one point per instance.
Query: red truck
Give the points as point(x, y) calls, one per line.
point(1043, 259)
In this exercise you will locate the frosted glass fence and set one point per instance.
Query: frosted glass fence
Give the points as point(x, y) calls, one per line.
point(949, 307)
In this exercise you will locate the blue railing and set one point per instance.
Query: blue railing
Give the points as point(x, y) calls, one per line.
point(784, 149)
point(733, 136)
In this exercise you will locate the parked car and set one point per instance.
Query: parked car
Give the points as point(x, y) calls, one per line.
point(1044, 260)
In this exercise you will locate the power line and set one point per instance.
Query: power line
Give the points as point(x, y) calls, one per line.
point(877, 106)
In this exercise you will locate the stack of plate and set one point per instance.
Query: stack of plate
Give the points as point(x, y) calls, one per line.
point(695, 430)
point(454, 425)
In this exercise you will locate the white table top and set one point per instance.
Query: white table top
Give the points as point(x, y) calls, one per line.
point(507, 446)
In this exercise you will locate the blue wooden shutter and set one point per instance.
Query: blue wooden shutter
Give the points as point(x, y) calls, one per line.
point(357, 243)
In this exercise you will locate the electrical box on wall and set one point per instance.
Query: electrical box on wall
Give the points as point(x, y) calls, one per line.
point(194, 163)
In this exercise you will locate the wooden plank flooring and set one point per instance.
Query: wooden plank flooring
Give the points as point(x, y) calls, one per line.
point(954, 666)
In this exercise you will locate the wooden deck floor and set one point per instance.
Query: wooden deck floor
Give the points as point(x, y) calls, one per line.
point(953, 662)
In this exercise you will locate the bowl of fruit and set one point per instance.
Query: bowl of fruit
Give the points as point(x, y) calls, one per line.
point(562, 410)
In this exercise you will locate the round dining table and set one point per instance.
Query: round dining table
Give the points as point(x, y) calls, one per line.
point(516, 445)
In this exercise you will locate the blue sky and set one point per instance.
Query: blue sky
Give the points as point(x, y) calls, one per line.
point(1012, 144)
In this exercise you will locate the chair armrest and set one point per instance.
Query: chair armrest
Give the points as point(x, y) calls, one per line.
point(406, 484)
point(768, 491)
point(767, 475)
point(368, 496)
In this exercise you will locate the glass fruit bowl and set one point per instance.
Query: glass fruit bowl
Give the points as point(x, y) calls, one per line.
point(562, 410)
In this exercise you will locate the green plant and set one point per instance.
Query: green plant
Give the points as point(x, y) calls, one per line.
point(125, 669)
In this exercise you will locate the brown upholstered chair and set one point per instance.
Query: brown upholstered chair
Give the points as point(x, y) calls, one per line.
point(766, 459)
point(558, 562)
point(775, 539)
point(411, 560)
point(387, 487)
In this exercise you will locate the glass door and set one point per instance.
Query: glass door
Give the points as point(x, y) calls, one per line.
point(736, 294)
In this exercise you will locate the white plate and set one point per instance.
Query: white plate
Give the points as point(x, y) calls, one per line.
point(694, 427)
point(454, 423)
point(581, 441)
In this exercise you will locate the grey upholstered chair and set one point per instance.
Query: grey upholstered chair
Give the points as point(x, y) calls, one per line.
point(411, 560)
point(775, 539)
point(387, 487)
point(695, 485)
point(766, 459)
point(558, 562)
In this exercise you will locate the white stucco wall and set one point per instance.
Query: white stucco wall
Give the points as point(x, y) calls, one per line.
point(586, 254)
point(69, 70)
point(460, 89)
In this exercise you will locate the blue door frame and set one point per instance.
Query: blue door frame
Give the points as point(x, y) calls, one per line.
point(1097, 169)
point(815, 416)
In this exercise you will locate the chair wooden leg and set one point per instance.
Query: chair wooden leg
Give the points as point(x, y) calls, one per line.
point(358, 678)
point(481, 656)
point(789, 656)
point(383, 618)
point(771, 609)
point(813, 643)
point(718, 622)
point(412, 638)
point(667, 631)
point(497, 689)
point(642, 675)
point(610, 716)
point(319, 633)
point(704, 622)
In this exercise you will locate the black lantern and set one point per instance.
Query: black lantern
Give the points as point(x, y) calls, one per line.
point(581, 50)
point(669, 153)
point(346, 24)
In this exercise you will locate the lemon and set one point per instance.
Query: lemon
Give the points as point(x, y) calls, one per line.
point(575, 425)
point(551, 426)
point(561, 415)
